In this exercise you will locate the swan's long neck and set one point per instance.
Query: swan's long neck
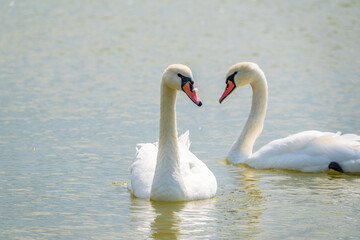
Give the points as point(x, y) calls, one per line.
point(168, 130)
point(255, 122)
point(168, 184)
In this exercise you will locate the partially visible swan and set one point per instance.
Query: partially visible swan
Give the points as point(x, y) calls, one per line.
point(167, 170)
point(309, 151)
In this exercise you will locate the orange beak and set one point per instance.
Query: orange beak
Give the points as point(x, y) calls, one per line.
point(229, 88)
point(189, 90)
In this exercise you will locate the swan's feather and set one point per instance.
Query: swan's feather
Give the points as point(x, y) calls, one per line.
point(309, 151)
point(199, 180)
point(142, 169)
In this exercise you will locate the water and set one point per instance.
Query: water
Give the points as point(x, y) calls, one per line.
point(79, 87)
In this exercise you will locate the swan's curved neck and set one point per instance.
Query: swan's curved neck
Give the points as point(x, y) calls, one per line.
point(168, 131)
point(168, 184)
point(255, 122)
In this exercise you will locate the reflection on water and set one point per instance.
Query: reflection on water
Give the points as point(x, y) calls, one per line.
point(255, 198)
point(141, 214)
point(167, 223)
point(247, 202)
point(79, 88)
point(241, 213)
point(254, 204)
point(172, 220)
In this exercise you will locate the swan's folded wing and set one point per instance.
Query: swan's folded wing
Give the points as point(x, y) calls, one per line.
point(142, 170)
point(200, 181)
point(309, 151)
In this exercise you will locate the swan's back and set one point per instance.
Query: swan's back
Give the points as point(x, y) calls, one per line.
point(310, 151)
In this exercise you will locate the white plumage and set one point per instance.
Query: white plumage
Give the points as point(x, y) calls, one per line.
point(308, 151)
point(167, 170)
point(199, 180)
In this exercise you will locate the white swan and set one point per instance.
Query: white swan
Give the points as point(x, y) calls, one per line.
point(167, 170)
point(309, 151)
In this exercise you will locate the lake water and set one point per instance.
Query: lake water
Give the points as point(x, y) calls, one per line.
point(79, 88)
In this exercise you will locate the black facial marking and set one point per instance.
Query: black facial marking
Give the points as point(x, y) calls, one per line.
point(184, 80)
point(231, 78)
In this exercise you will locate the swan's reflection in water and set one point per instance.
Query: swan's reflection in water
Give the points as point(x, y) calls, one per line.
point(141, 215)
point(235, 212)
point(174, 220)
point(167, 220)
point(244, 203)
point(167, 223)
point(255, 199)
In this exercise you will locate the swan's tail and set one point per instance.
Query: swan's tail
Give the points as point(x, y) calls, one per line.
point(353, 138)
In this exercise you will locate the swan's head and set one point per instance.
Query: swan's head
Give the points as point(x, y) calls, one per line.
point(179, 77)
point(239, 75)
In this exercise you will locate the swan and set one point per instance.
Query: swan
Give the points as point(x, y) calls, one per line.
point(308, 151)
point(167, 170)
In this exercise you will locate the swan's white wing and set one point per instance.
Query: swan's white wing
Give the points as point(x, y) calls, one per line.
point(310, 151)
point(200, 182)
point(142, 170)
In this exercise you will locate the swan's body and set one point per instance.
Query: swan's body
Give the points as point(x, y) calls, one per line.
point(167, 170)
point(309, 151)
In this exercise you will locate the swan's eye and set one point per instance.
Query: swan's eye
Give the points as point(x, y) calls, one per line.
point(185, 80)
